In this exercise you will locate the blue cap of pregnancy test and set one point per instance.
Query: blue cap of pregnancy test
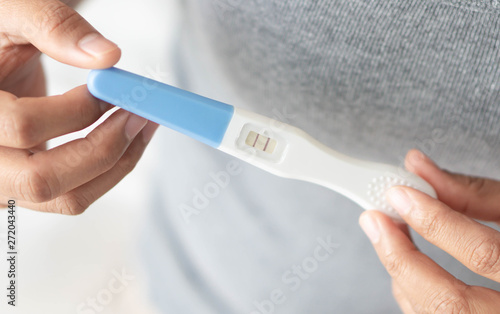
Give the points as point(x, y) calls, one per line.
point(201, 118)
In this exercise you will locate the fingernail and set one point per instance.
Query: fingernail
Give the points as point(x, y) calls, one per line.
point(148, 132)
point(96, 45)
point(399, 200)
point(134, 125)
point(370, 227)
point(416, 157)
point(419, 157)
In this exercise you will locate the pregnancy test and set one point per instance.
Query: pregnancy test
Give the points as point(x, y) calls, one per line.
point(276, 147)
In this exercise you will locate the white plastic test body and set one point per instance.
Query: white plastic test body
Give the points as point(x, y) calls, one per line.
point(271, 145)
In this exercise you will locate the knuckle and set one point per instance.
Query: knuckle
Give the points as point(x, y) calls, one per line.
point(449, 302)
point(56, 16)
point(17, 129)
point(7, 127)
point(129, 160)
point(475, 184)
point(32, 186)
point(485, 257)
point(87, 113)
point(107, 156)
point(24, 134)
point(395, 264)
point(126, 164)
point(71, 204)
point(429, 223)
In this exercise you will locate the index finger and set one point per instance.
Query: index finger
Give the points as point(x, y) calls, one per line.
point(475, 245)
point(427, 286)
point(27, 122)
point(473, 196)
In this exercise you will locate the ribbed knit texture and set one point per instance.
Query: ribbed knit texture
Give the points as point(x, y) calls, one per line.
point(369, 78)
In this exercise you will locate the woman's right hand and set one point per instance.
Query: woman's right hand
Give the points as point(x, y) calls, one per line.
point(68, 178)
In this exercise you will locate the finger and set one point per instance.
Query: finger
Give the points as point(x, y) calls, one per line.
point(404, 228)
point(483, 300)
point(428, 287)
point(22, 72)
point(58, 31)
point(38, 148)
point(401, 299)
point(473, 244)
point(45, 175)
point(27, 122)
point(478, 198)
point(79, 199)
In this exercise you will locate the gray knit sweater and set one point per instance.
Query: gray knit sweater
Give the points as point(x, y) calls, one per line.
point(371, 79)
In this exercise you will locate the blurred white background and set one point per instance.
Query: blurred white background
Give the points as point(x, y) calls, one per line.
point(64, 262)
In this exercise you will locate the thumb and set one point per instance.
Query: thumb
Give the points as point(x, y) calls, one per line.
point(477, 198)
point(60, 32)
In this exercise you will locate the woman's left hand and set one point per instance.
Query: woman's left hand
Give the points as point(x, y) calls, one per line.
point(419, 284)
